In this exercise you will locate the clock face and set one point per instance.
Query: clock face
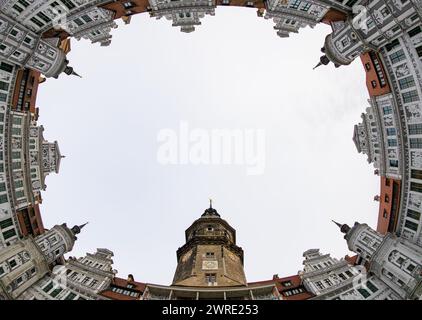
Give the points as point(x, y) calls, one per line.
point(210, 265)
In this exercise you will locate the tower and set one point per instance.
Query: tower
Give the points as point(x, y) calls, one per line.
point(210, 256)
point(394, 260)
point(27, 261)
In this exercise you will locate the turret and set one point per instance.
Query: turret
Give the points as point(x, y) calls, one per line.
point(210, 256)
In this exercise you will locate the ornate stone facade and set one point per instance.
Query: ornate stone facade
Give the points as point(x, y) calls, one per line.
point(387, 35)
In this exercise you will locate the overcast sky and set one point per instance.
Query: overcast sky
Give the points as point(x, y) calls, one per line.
point(233, 72)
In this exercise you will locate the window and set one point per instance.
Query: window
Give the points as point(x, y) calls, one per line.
point(397, 56)
point(419, 51)
point(16, 131)
point(37, 22)
point(86, 18)
point(69, 4)
point(417, 187)
point(407, 82)
point(392, 45)
point(385, 12)
point(128, 4)
point(364, 292)
point(415, 143)
point(416, 174)
point(415, 128)
point(56, 292)
point(295, 4)
point(4, 86)
point(394, 163)
point(6, 223)
point(410, 96)
point(342, 276)
point(93, 283)
point(371, 286)
point(400, 282)
point(367, 66)
point(211, 278)
point(319, 285)
point(20, 194)
point(48, 287)
point(387, 110)
point(6, 67)
point(42, 16)
point(411, 225)
point(370, 23)
point(209, 255)
point(79, 22)
point(70, 296)
point(385, 214)
point(413, 214)
point(287, 283)
point(391, 131)
point(16, 155)
point(86, 280)
point(328, 282)
point(3, 97)
point(9, 234)
point(411, 267)
point(414, 31)
point(3, 198)
point(349, 273)
point(392, 142)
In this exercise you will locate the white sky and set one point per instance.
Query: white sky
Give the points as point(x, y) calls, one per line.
point(232, 72)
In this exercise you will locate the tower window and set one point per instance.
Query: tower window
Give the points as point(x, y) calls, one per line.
point(210, 255)
point(210, 228)
point(211, 278)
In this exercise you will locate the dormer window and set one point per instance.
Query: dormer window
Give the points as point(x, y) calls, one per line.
point(210, 228)
point(128, 4)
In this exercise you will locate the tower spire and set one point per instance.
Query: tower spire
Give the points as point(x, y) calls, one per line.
point(322, 61)
point(344, 228)
point(77, 229)
point(71, 72)
point(210, 212)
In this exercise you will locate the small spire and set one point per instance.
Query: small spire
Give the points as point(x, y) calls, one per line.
point(71, 72)
point(318, 65)
point(338, 224)
point(344, 228)
point(77, 229)
point(210, 212)
point(322, 61)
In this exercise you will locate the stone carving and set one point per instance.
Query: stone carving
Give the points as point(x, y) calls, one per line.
point(402, 70)
point(416, 159)
point(415, 200)
point(392, 153)
point(413, 113)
